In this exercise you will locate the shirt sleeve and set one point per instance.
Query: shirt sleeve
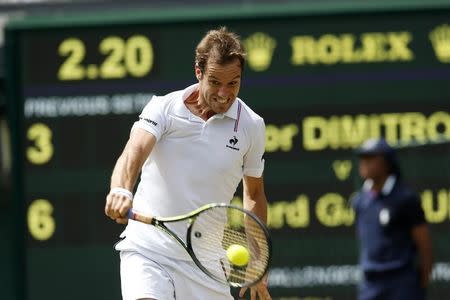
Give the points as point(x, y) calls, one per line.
point(414, 212)
point(253, 159)
point(153, 118)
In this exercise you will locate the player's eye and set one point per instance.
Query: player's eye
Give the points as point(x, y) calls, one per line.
point(214, 82)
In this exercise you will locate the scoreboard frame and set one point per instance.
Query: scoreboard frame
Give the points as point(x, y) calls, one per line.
point(16, 28)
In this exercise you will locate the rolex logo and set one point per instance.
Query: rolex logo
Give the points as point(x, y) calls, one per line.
point(440, 39)
point(260, 47)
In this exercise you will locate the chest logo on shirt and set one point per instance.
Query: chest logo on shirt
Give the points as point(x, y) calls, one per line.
point(232, 143)
point(384, 217)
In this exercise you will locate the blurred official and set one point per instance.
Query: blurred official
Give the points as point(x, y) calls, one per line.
point(395, 244)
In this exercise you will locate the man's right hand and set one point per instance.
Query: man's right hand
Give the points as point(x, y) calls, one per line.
point(125, 173)
point(117, 207)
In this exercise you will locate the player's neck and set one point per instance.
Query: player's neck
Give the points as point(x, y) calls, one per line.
point(378, 183)
point(197, 107)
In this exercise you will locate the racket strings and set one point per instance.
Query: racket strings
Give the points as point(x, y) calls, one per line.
point(217, 229)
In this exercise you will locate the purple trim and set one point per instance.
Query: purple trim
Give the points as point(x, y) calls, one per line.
point(236, 124)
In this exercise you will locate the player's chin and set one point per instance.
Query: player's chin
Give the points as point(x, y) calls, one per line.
point(220, 108)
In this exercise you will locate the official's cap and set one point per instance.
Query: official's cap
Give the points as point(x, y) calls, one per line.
point(375, 146)
point(381, 147)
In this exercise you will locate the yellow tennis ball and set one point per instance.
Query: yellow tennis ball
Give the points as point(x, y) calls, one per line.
point(238, 255)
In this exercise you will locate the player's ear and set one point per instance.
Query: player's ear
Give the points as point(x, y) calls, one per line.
point(198, 73)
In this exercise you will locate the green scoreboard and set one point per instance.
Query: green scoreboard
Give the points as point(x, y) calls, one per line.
point(323, 82)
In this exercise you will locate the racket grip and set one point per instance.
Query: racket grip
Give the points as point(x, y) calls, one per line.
point(132, 215)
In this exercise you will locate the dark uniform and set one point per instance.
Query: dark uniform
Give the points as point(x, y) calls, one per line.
point(384, 223)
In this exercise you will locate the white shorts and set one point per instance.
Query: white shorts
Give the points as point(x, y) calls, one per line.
point(162, 278)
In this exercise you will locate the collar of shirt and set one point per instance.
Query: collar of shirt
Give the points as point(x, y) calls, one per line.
point(181, 110)
point(387, 186)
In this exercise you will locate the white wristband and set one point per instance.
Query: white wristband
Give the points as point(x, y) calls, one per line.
point(123, 192)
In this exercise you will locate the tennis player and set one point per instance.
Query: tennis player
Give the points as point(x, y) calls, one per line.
point(192, 147)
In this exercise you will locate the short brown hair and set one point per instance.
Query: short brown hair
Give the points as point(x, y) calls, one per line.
point(221, 46)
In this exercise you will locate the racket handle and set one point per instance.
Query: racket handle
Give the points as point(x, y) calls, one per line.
point(138, 217)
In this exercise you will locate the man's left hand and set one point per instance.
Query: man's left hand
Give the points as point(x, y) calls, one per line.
point(257, 291)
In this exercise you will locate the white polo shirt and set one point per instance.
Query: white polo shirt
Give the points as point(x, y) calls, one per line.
point(192, 164)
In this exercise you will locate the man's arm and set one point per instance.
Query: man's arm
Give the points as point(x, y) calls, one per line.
point(255, 197)
point(256, 202)
point(422, 239)
point(126, 171)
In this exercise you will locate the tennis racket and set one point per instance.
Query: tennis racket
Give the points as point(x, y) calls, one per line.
point(211, 230)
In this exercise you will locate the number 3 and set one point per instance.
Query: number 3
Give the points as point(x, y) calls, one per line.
point(42, 151)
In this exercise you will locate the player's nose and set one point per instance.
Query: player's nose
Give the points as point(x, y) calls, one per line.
point(224, 92)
